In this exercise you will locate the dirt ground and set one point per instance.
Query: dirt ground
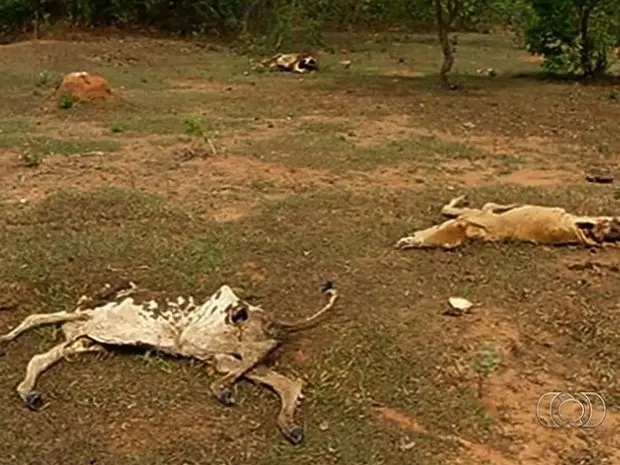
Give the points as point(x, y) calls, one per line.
point(203, 170)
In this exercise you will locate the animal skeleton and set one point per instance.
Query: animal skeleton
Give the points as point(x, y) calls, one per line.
point(224, 331)
point(529, 223)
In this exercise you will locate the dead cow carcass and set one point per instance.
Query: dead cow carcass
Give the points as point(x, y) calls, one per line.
point(293, 62)
point(226, 332)
point(529, 223)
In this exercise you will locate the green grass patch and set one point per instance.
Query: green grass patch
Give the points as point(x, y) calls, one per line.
point(11, 126)
point(43, 146)
point(329, 147)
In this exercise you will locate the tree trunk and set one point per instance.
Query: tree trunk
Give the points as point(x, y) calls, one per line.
point(586, 46)
point(36, 24)
point(246, 17)
point(443, 31)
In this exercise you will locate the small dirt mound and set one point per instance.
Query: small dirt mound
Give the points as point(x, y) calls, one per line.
point(84, 87)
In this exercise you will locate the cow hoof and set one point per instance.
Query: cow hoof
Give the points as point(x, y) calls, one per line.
point(225, 396)
point(34, 401)
point(295, 435)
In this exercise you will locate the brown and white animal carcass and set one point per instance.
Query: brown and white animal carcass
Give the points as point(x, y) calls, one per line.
point(224, 331)
point(293, 62)
point(528, 223)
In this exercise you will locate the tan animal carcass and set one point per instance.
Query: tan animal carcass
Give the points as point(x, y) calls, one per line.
point(529, 223)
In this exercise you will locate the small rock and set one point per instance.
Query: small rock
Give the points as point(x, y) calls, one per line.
point(324, 425)
point(346, 64)
point(459, 306)
point(407, 445)
point(460, 303)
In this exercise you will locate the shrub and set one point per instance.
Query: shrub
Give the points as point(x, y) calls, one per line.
point(574, 36)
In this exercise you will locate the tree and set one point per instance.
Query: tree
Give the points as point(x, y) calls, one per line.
point(446, 12)
point(574, 36)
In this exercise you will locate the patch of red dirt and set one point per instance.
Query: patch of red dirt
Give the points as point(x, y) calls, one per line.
point(510, 395)
point(205, 85)
point(533, 177)
point(477, 452)
point(301, 358)
point(532, 58)
point(403, 420)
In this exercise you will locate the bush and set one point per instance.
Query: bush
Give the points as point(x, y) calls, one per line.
point(266, 22)
point(574, 36)
point(516, 14)
point(15, 15)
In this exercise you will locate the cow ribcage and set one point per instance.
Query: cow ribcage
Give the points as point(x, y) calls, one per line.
point(169, 326)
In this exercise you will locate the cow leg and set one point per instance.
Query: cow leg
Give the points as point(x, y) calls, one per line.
point(451, 210)
point(40, 319)
point(41, 362)
point(447, 235)
point(498, 208)
point(289, 392)
point(251, 354)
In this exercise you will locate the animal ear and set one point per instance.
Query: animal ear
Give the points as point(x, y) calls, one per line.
point(585, 224)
